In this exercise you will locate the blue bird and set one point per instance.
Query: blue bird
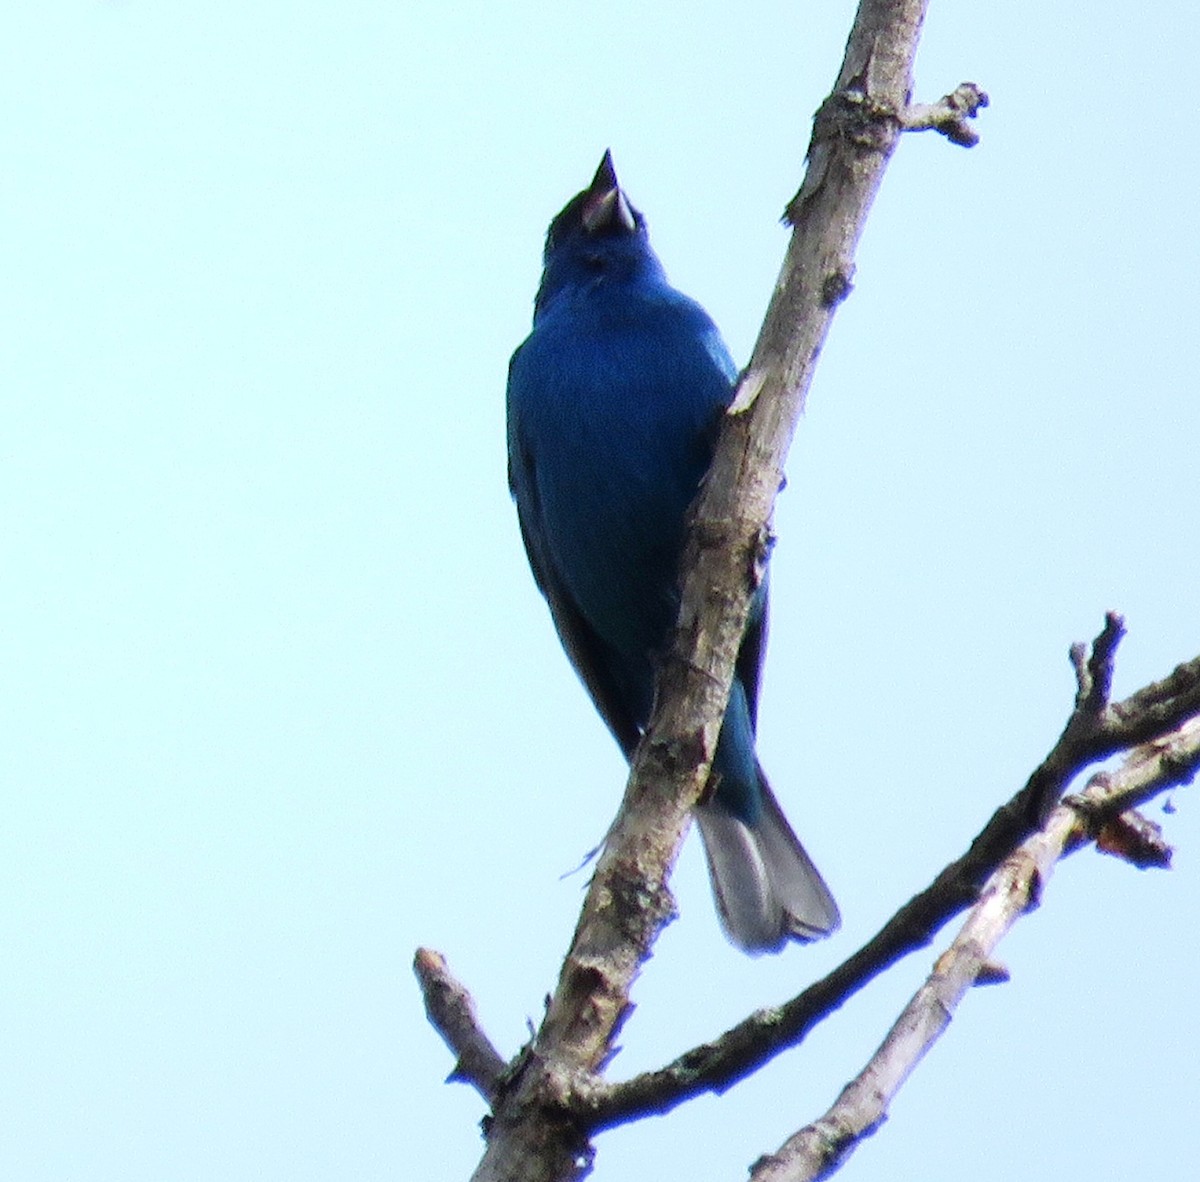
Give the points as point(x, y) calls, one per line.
point(614, 403)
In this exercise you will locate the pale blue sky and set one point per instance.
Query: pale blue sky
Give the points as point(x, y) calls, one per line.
point(281, 699)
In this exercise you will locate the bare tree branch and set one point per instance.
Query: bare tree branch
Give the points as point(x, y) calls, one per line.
point(451, 1012)
point(534, 1136)
point(822, 1147)
point(1093, 732)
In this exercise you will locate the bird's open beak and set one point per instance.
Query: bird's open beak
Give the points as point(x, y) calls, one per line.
point(607, 207)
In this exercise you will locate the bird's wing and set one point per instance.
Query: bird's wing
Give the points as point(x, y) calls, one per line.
point(587, 652)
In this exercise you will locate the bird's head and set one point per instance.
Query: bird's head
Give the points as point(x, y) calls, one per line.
point(597, 237)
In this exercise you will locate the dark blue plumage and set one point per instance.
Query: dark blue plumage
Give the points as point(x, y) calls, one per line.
point(614, 402)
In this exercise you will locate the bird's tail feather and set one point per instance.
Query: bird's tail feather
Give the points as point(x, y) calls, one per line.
point(766, 888)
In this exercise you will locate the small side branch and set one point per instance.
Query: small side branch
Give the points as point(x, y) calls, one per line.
point(1094, 674)
point(822, 1147)
point(949, 115)
point(451, 1012)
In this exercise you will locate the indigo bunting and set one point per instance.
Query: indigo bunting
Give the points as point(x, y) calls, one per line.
point(614, 402)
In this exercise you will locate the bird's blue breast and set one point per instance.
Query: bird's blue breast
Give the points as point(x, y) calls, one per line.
point(614, 401)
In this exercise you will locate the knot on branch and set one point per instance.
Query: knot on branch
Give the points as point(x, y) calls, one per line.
point(835, 287)
point(854, 117)
point(678, 754)
point(642, 905)
point(1135, 839)
point(760, 555)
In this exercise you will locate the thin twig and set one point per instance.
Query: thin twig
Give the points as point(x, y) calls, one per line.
point(451, 1012)
point(1094, 674)
point(949, 115)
